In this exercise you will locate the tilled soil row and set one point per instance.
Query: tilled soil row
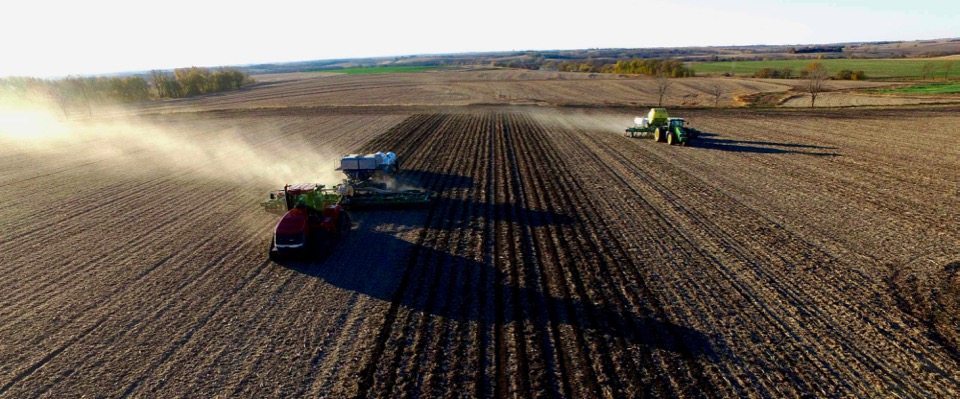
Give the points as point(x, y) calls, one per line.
point(516, 287)
point(162, 295)
point(844, 335)
point(556, 261)
point(573, 265)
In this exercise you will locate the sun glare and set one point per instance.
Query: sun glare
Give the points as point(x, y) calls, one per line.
point(23, 123)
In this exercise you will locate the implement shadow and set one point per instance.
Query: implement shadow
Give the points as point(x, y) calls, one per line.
point(499, 213)
point(420, 178)
point(710, 141)
point(376, 256)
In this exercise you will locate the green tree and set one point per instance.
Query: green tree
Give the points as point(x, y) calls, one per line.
point(193, 80)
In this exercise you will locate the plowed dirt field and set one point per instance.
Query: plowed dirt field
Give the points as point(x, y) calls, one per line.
point(786, 254)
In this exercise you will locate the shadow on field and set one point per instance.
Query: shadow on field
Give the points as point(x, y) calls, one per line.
point(710, 141)
point(422, 178)
point(381, 259)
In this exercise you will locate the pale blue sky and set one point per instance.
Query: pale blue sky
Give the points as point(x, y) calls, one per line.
point(48, 38)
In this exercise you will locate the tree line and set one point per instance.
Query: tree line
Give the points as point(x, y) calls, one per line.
point(787, 73)
point(929, 70)
point(183, 82)
point(186, 82)
point(89, 89)
point(649, 67)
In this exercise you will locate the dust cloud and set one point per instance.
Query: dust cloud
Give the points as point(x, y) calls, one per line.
point(583, 120)
point(224, 149)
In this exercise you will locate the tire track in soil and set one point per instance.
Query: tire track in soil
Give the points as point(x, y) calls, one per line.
point(301, 293)
point(744, 255)
point(826, 287)
point(88, 307)
point(82, 308)
point(408, 372)
point(47, 359)
point(545, 161)
point(171, 185)
point(119, 302)
point(747, 291)
point(47, 291)
point(664, 251)
point(667, 251)
point(417, 134)
point(432, 364)
point(538, 271)
point(608, 266)
point(416, 357)
point(521, 261)
point(166, 184)
point(428, 255)
point(550, 342)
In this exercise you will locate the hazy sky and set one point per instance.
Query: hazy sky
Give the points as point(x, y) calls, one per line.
point(46, 38)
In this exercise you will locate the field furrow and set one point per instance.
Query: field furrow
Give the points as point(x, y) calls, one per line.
point(801, 253)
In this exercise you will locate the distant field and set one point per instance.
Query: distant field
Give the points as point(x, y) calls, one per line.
point(380, 69)
point(928, 88)
point(879, 68)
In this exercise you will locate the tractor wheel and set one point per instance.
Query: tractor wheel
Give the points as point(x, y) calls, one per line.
point(657, 136)
point(670, 138)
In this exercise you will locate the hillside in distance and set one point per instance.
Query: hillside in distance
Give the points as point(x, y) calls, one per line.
point(536, 59)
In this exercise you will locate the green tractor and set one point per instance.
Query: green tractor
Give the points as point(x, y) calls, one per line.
point(661, 127)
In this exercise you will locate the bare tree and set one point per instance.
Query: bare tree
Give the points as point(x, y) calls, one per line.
point(927, 69)
point(663, 84)
point(716, 91)
point(78, 85)
point(57, 92)
point(158, 79)
point(816, 74)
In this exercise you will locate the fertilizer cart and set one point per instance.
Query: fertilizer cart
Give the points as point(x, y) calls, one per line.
point(371, 183)
point(661, 127)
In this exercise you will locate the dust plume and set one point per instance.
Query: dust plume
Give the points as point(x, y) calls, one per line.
point(251, 151)
point(583, 120)
point(392, 183)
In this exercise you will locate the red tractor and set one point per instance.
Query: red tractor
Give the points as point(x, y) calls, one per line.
point(312, 218)
point(314, 215)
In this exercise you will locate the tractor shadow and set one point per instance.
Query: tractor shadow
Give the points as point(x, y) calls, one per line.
point(711, 141)
point(380, 258)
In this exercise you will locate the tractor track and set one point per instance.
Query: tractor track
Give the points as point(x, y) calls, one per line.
point(692, 240)
point(610, 267)
point(557, 260)
point(367, 378)
point(140, 236)
point(794, 295)
point(524, 339)
point(730, 277)
point(129, 328)
point(119, 290)
point(135, 194)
